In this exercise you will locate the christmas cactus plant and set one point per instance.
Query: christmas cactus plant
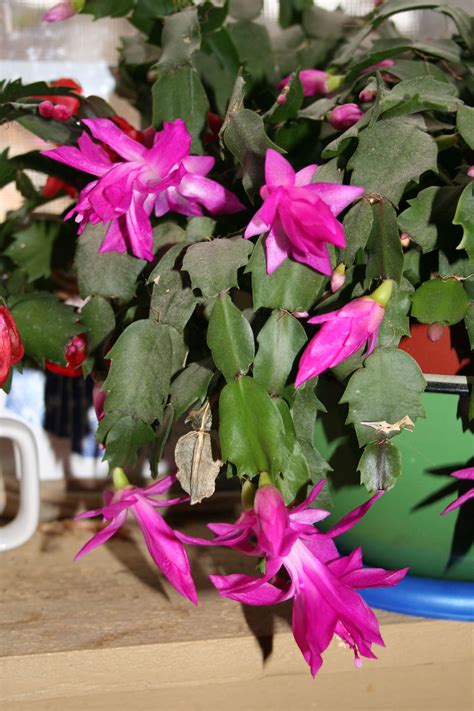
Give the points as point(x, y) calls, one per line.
point(292, 197)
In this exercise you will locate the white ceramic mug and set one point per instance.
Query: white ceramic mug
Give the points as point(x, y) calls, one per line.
point(25, 523)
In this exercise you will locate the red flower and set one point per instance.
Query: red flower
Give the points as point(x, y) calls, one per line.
point(53, 186)
point(76, 353)
point(11, 347)
point(214, 124)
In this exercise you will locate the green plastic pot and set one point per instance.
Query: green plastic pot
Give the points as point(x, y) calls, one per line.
point(404, 527)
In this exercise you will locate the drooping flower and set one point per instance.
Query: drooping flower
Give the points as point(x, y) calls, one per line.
point(161, 178)
point(322, 583)
point(314, 81)
point(63, 10)
point(344, 332)
point(469, 494)
point(344, 116)
point(11, 346)
point(162, 542)
point(299, 216)
point(75, 354)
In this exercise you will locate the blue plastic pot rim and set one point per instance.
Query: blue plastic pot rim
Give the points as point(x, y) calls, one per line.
point(426, 597)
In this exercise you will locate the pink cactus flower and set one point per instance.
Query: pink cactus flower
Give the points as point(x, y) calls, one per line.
point(62, 11)
point(161, 178)
point(314, 82)
point(164, 546)
point(461, 474)
point(344, 116)
point(344, 332)
point(299, 216)
point(322, 583)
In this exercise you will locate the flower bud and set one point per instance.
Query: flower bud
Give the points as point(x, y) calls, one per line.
point(314, 82)
point(367, 95)
point(435, 332)
point(11, 346)
point(63, 10)
point(98, 400)
point(45, 109)
point(405, 239)
point(281, 99)
point(338, 277)
point(61, 113)
point(344, 116)
point(470, 171)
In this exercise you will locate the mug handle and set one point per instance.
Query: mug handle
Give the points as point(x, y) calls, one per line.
point(25, 523)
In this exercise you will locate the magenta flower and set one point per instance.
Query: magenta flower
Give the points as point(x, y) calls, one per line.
point(62, 11)
point(344, 332)
point(161, 178)
point(314, 82)
point(299, 216)
point(344, 116)
point(322, 583)
point(164, 546)
point(461, 474)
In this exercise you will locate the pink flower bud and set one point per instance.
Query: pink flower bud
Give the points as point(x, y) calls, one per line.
point(45, 109)
point(62, 11)
point(367, 95)
point(338, 277)
point(281, 99)
point(61, 112)
point(470, 171)
point(435, 332)
point(314, 82)
point(344, 116)
point(98, 399)
point(405, 239)
point(379, 65)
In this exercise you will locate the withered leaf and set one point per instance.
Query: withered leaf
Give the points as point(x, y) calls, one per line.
point(386, 428)
point(196, 460)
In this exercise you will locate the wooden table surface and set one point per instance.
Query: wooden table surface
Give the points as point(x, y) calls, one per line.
point(109, 633)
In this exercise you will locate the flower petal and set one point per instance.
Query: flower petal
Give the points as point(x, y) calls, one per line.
point(241, 589)
point(458, 502)
point(278, 170)
point(200, 165)
point(139, 228)
point(314, 493)
point(353, 517)
point(107, 132)
point(272, 520)
point(305, 175)
point(75, 158)
point(214, 197)
point(103, 535)
point(165, 548)
point(277, 247)
point(115, 238)
point(337, 197)
point(171, 145)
